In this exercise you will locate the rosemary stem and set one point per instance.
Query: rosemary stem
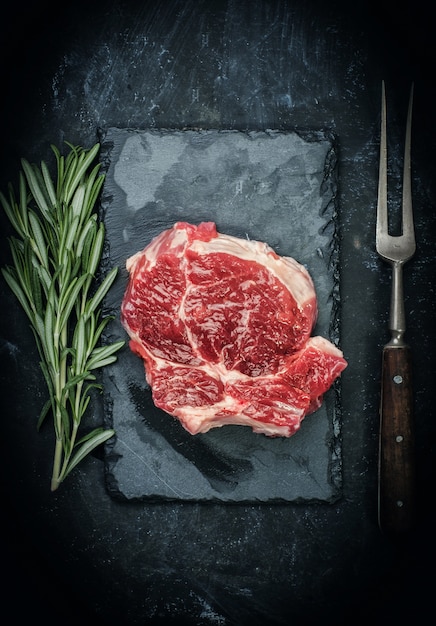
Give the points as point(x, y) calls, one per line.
point(55, 482)
point(67, 456)
point(60, 381)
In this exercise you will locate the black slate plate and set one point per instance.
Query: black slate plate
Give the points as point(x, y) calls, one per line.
point(277, 187)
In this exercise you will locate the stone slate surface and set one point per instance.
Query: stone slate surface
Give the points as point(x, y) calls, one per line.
point(276, 187)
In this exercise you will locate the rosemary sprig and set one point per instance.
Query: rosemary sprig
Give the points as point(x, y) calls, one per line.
point(56, 253)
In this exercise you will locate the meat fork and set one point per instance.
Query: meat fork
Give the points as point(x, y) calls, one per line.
point(396, 442)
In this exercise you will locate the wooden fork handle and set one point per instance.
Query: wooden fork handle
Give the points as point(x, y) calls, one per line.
point(396, 454)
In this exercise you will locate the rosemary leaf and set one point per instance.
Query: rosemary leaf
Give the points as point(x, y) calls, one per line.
point(75, 380)
point(18, 292)
point(71, 233)
point(96, 251)
point(50, 350)
point(48, 183)
point(85, 238)
point(11, 212)
point(38, 240)
point(69, 298)
point(22, 210)
point(102, 290)
point(36, 188)
point(102, 356)
point(94, 439)
point(44, 279)
point(93, 189)
point(78, 200)
point(82, 162)
point(44, 412)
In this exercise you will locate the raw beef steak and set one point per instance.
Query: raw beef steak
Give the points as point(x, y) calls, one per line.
point(224, 327)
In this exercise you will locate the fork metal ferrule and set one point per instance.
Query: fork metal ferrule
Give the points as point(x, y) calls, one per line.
point(397, 317)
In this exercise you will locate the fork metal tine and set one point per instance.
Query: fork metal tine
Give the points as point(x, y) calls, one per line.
point(382, 204)
point(395, 248)
point(408, 227)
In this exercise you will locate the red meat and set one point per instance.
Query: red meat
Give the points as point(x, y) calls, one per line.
point(224, 327)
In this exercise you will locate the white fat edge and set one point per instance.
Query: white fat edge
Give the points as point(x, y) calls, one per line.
point(170, 239)
point(132, 260)
point(292, 274)
point(324, 345)
point(202, 419)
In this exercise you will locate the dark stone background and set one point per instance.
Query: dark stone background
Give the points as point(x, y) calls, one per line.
point(79, 555)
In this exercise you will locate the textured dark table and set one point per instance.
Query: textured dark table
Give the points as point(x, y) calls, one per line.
point(67, 71)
